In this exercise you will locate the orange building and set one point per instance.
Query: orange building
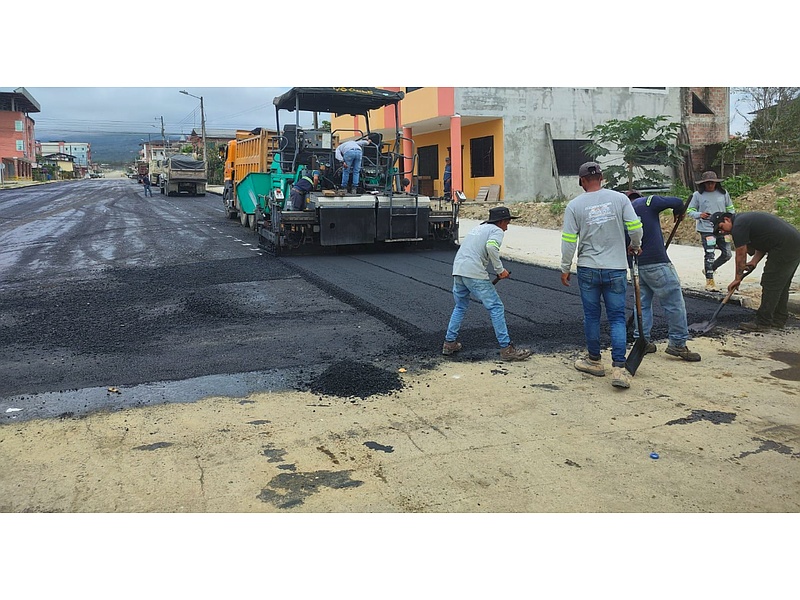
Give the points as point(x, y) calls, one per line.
point(17, 139)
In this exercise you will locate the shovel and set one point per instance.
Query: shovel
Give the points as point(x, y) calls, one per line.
point(706, 326)
point(640, 345)
point(496, 279)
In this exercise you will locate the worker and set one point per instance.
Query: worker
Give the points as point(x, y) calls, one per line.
point(298, 195)
point(770, 236)
point(351, 153)
point(658, 277)
point(479, 249)
point(709, 198)
point(448, 178)
point(147, 190)
point(595, 224)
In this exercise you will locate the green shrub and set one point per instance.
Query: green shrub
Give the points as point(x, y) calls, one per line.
point(738, 185)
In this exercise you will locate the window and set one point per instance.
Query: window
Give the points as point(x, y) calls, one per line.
point(482, 156)
point(21, 145)
point(429, 161)
point(649, 89)
point(648, 157)
point(699, 107)
point(18, 126)
point(570, 155)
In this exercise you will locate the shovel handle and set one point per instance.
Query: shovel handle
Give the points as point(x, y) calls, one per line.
point(496, 279)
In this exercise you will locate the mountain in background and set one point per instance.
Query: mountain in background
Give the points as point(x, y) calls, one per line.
point(107, 148)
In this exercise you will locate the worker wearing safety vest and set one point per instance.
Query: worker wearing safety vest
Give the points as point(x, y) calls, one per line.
point(299, 192)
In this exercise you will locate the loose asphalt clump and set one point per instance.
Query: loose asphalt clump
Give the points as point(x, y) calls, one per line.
point(351, 379)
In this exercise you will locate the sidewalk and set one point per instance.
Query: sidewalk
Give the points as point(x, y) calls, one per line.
point(542, 247)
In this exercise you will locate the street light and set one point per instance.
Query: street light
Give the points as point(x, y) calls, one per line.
point(203, 126)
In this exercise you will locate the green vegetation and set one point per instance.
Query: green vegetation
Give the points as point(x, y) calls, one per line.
point(644, 142)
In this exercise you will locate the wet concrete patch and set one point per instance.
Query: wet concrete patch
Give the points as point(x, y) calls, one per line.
point(713, 416)
point(288, 490)
point(790, 358)
point(156, 446)
point(377, 446)
point(273, 454)
point(771, 446)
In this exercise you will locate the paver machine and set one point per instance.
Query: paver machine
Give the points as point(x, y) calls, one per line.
point(381, 210)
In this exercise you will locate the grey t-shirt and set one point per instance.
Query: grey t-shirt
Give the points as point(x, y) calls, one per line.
point(708, 202)
point(595, 223)
point(480, 247)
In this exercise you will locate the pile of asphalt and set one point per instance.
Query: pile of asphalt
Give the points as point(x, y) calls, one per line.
point(353, 379)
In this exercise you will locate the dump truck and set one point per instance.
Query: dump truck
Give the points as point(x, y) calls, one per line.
point(380, 211)
point(251, 152)
point(183, 174)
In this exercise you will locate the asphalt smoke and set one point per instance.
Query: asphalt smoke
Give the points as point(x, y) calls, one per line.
point(348, 379)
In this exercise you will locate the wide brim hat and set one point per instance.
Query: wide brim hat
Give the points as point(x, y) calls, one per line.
point(499, 213)
point(708, 176)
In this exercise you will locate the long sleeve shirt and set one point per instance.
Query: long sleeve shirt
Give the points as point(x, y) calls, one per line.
point(595, 224)
point(649, 209)
point(479, 249)
point(708, 202)
point(342, 148)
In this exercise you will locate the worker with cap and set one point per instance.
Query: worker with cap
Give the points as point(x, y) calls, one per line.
point(479, 250)
point(709, 198)
point(770, 236)
point(298, 195)
point(595, 224)
point(657, 276)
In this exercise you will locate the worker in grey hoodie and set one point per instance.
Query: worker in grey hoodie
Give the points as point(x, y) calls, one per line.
point(710, 198)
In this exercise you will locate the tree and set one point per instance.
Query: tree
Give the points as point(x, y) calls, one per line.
point(776, 110)
point(644, 142)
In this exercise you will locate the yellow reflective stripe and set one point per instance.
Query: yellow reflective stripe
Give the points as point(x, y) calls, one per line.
point(493, 243)
point(631, 225)
point(729, 208)
point(692, 209)
point(649, 198)
point(569, 237)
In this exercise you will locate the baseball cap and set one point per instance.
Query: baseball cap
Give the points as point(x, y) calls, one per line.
point(589, 168)
point(717, 218)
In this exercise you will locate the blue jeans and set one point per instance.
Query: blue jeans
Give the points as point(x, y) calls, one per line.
point(352, 162)
point(484, 292)
point(610, 285)
point(661, 281)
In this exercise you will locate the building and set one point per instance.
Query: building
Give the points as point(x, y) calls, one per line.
point(81, 153)
point(528, 141)
point(65, 167)
point(17, 139)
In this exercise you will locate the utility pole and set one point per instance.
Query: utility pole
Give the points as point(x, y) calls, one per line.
point(163, 138)
point(203, 125)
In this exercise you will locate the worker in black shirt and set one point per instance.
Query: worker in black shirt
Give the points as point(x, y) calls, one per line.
point(770, 236)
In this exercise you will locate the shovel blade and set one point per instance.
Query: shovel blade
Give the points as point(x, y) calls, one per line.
point(701, 328)
point(636, 355)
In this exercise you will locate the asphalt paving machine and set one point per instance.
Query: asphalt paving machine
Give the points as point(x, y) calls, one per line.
point(381, 210)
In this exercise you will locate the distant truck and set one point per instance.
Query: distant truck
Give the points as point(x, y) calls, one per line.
point(142, 169)
point(183, 174)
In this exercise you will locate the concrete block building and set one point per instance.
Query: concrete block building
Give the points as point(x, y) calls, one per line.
point(528, 141)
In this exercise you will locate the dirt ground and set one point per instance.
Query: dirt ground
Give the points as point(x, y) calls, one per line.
point(459, 437)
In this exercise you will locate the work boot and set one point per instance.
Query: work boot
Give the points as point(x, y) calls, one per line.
point(620, 377)
point(754, 326)
point(451, 347)
point(510, 353)
point(710, 285)
point(682, 352)
point(650, 348)
point(588, 365)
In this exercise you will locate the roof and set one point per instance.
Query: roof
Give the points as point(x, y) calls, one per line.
point(354, 101)
point(18, 100)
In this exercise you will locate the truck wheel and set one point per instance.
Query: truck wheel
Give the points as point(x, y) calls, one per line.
point(243, 218)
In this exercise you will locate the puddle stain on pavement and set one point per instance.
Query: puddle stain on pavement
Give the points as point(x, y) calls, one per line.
point(156, 446)
point(771, 446)
point(714, 416)
point(288, 490)
point(377, 446)
point(790, 358)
